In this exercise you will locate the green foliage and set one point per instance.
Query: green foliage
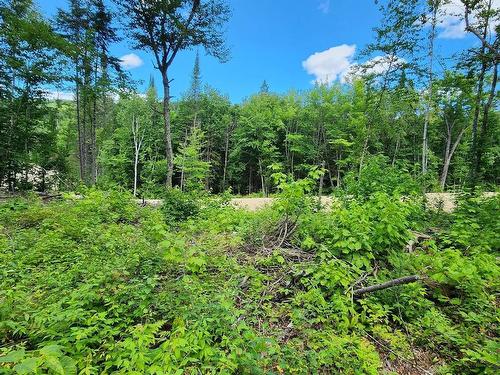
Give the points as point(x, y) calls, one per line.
point(457, 314)
point(194, 170)
point(359, 232)
point(377, 175)
point(293, 196)
point(178, 206)
point(474, 227)
point(101, 284)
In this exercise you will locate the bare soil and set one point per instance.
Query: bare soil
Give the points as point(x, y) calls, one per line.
point(444, 201)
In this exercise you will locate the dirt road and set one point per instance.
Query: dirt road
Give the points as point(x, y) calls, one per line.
point(445, 201)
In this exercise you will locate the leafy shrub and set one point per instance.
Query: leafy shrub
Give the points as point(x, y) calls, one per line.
point(378, 175)
point(178, 206)
point(359, 232)
point(102, 285)
point(475, 225)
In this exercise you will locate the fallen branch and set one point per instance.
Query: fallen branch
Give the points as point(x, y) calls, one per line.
point(50, 196)
point(387, 284)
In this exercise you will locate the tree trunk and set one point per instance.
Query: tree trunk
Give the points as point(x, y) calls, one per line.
point(183, 161)
point(136, 163)
point(425, 138)
point(474, 170)
point(86, 113)
point(208, 158)
point(226, 154)
point(167, 130)
point(78, 124)
point(93, 127)
point(446, 159)
point(484, 122)
point(448, 155)
point(262, 180)
point(330, 176)
point(136, 153)
point(320, 190)
point(395, 152)
point(250, 180)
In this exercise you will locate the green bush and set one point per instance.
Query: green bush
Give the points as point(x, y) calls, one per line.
point(359, 232)
point(179, 206)
point(103, 285)
point(378, 175)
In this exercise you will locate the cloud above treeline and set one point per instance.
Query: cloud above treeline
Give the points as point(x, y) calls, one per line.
point(59, 95)
point(329, 65)
point(337, 63)
point(130, 61)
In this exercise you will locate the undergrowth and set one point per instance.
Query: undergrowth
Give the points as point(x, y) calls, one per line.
point(102, 285)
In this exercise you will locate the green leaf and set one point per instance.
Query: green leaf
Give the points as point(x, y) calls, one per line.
point(54, 364)
point(51, 350)
point(29, 365)
point(14, 356)
point(69, 365)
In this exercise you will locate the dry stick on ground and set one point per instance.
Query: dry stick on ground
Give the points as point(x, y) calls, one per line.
point(50, 196)
point(280, 235)
point(362, 278)
point(387, 284)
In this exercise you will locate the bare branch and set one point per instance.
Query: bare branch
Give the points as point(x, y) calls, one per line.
point(484, 41)
point(387, 284)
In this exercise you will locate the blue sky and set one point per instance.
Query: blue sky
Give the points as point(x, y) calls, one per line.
point(287, 43)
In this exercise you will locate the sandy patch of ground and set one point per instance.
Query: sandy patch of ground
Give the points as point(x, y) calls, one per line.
point(444, 201)
point(251, 204)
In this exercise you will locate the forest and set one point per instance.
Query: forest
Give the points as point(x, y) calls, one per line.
point(124, 248)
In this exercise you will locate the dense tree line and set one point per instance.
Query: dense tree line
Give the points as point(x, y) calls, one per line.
point(396, 113)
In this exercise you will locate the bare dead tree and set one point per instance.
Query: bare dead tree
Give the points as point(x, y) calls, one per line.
point(138, 135)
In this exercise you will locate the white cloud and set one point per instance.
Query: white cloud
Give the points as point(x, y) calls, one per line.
point(331, 64)
point(130, 61)
point(59, 95)
point(453, 30)
point(451, 23)
point(376, 65)
point(324, 6)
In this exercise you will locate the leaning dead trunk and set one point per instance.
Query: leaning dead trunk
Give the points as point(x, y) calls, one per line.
point(448, 155)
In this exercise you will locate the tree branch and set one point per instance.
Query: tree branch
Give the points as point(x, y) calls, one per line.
point(194, 9)
point(484, 41)
point(387, 284)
